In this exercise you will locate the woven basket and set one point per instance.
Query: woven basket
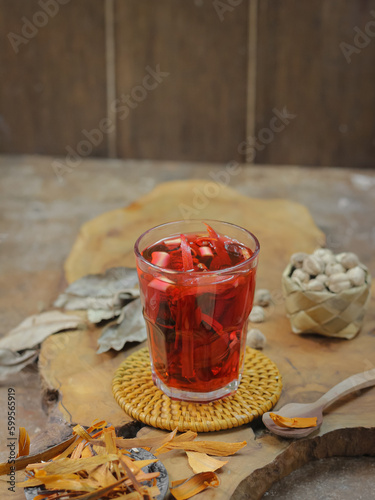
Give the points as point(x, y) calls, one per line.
point(331, 314)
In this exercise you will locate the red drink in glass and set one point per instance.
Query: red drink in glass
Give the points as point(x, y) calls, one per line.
point(197, 284)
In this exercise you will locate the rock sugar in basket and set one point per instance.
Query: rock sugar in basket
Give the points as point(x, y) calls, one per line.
point(326, 293)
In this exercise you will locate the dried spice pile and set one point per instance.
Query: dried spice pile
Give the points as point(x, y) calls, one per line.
point(96, 464)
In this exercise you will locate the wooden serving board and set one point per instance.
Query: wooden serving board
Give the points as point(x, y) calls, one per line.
point(309, 365)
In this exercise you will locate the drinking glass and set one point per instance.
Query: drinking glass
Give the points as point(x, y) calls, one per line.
point(197, 320)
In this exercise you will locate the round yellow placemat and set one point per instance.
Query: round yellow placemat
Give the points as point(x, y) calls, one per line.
point(137, 395)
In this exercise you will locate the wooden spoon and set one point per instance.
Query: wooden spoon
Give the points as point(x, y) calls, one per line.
point(347, 386)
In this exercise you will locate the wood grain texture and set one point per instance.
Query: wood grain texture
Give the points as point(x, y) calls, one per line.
point(301, 66)
point(309, 365)
point(198, 112)
point(40, 218)
point(282, 227)
point(54, 87)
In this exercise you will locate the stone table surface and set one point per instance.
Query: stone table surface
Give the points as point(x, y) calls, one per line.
point(41, 214)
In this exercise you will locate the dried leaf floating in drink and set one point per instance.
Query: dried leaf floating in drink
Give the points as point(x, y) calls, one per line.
point(294, 423)
point(23, 443)
point(187, 259)
point(187, 488)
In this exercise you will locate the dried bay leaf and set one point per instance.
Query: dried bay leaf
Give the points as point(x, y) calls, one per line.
point(98, 315)
point(131, 329)
point(101, 291)
point(34, 329)
point(13, 362)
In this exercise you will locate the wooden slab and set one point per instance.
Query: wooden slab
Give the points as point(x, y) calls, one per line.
point(309, 365)
point(281, 226)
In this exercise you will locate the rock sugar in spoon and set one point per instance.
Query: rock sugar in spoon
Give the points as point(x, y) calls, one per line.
point(347, 386)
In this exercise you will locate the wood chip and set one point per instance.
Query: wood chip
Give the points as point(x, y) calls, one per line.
point(201, 462)
point(187, 488)
point(294, 422)
point(23, 443)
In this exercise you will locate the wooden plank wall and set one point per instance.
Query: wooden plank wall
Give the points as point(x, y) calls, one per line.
point(262, 81)
point(53, 82)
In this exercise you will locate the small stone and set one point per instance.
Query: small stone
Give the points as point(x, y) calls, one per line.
point(262, 298)
point(315, 285)
point(322, 278)
point(257, 315)
point(322, 253)
point(348, 259)
point(300, 276)
point(313, 265)
point(256, 339)
point(338, 282)
point(297, 259)
point(356, 275)
point(340, 286)
point(329, 258)
point(334, 269)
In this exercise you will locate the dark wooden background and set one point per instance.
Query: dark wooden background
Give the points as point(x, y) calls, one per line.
point(231, 64)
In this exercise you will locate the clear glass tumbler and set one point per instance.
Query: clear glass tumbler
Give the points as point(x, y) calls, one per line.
point(196, 317)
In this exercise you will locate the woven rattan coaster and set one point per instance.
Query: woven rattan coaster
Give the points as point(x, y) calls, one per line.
point(137, 395)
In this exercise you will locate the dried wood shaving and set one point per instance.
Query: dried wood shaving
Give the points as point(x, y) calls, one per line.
point(95, 464)
point(217, 448)
point(23, 443)
point(201, 462)
point(294, 422)
point(187, 488)
point(111, 474)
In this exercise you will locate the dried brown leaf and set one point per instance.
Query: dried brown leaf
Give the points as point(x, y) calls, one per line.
point(34, 329)
point(13, 362)
point(131, 329)
point(105, 291)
